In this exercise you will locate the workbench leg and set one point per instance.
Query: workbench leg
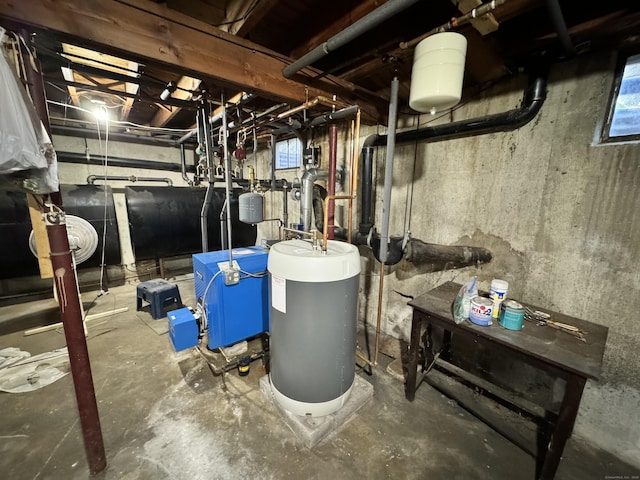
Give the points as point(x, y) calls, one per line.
point(446, 345)
point(564, 426)
point(412, 363)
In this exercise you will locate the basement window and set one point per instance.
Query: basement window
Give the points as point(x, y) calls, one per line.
point(623, 115)
point(288, 153)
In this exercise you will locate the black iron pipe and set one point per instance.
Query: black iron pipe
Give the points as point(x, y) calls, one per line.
point(366, 216)
point(560, 26)
point(331, 116)
point(81, 158)
point(273, 162)
point(534, 96)
point(419, 252)
point(71, 315)
point(113, 136)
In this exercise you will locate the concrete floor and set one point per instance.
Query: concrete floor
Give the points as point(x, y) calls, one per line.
point(164, 415)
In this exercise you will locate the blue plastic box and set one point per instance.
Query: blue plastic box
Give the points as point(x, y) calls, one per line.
point(183, 329)
point(234, 312)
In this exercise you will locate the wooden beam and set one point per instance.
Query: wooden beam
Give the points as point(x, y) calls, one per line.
point(255, 16)
point(362, 9)
point(485, 24)
point(164, 115)
point(67, 74)
point(211, 12)
point(41, 238)
point(156, 33)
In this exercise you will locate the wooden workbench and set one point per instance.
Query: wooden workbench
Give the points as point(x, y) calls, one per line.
point(554, 351)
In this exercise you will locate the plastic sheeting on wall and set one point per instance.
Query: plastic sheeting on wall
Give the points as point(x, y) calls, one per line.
point(27, 158)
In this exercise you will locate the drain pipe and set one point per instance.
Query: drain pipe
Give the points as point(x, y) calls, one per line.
point(388, 170)
point(366, 23)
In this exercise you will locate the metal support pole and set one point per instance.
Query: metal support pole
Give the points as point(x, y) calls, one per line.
point(71, 314)
point(388, 171)
point(227, 176)
point(331, 183)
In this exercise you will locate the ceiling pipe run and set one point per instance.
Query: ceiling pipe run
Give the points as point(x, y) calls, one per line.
point(534, 96)
point(86, 159)
point(91, 179)
point(216, 118)
point(67, 130)
point(557, 18)
point(366, 23)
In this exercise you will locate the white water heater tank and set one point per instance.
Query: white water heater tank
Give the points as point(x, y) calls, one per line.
point(438, 71)
point(314, 311)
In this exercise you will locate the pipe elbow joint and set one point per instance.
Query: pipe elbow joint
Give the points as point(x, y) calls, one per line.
point(395, 252)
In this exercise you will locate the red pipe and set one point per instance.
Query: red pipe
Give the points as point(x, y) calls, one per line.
point(69, 303)
point(68, 298)
point(331, 183)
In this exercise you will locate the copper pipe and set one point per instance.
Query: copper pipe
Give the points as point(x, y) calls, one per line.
point(455, 22)
point(352, 189)
point(327, 199)
point(327, 102)
point(364, 359)
point(379, 316)
point(355, 133)
point(71, 314)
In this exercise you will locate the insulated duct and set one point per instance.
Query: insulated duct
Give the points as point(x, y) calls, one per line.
point(306, 195)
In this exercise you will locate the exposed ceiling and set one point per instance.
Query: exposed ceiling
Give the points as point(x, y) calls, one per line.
point(119, 55)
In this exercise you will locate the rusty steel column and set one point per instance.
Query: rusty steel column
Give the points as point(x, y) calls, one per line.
point(66, 286)
point(331, 182)
point(64, 277)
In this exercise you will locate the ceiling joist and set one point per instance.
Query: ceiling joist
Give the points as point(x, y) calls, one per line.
point(154, 32)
